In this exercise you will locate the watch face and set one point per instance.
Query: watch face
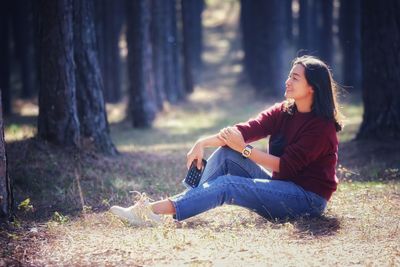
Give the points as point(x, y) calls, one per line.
point(246, 152)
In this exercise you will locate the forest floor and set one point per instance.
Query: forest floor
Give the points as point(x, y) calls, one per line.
point(360, 227)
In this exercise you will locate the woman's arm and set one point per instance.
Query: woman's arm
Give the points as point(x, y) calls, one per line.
point(211, 141)
point(232, 137)
point(197, 151)
point(266, 160)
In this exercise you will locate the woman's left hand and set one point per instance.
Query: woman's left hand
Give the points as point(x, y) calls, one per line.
point(233, 138)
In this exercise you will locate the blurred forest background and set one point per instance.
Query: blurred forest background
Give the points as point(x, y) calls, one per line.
point(98, 96)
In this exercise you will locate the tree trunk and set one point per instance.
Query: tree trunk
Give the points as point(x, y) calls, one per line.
point(350, 40)
point(5, 57)
point(264, 26)
point(192, 29)
point(58, 121)
point(142, 98)
point(24, 45)
point(307, 27)
point(198, 34)
point(172, 64)
point(170, 93)
point(189, 40)
point(380, 70)
point(89, 86)
point(176, 52)
point(192, 36)
point(288, 21)
point(109, 23)
point(6, 196)
point(158, 42)
point(326, 31)
point(247, 35)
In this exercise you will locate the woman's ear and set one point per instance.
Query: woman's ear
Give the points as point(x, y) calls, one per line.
point(311, 89)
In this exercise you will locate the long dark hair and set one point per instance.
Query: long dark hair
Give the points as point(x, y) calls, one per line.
point(319, 76)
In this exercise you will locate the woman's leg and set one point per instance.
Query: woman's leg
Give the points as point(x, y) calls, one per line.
point(164, 207)
point(269, 198)
point(225, 161)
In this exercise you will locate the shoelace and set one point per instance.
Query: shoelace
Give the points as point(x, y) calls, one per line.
point(144, 210)
point(141, 196)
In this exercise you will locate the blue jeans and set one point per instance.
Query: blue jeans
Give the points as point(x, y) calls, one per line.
point(231, 179)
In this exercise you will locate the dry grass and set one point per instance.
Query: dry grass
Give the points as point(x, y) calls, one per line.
point(361, 225)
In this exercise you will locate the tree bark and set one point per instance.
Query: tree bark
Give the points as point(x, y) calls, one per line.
point(350, 40)
point(158, 42)
point(326, 31)
point(142, 98)
point(307, 27)
point(263, 24)
point(89, 86)
point(247, 35)
point(192, 30)
point(288, 21)
point(6, 195)
point(189, 40)
point(172, 63)
point(380, 70)
point(58, 121)
point(24, 45)
point(5, 57)
point(110, 18)
point(176, 52)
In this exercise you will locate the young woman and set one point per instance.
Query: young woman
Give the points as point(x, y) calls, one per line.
point(302, 157)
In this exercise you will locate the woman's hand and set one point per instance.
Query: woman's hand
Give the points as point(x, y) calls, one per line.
point(233, 138)
point(196, 152)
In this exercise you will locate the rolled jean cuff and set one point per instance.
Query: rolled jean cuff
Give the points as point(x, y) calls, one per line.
point(177, 216)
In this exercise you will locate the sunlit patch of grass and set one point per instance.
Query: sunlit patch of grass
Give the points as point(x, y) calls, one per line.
point(17, 132)
point(187, 122)
point(376, 185)
point(116, 112)
point(353, 118)
point(180, 126)
point(27, 107)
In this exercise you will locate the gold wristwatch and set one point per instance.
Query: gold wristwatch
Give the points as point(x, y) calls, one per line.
point(247, 151)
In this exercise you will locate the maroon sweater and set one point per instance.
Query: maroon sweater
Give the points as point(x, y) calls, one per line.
point(306, 144)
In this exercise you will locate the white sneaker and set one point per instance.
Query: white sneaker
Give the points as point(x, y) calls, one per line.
point(139, 214)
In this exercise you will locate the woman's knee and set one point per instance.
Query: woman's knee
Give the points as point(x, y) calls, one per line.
point(226, 152)
point(225, 181)
point(223, 185)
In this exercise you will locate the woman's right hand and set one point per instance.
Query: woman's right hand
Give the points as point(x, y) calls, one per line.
point(196, 152)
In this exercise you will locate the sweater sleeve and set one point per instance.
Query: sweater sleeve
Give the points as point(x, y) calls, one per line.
point(261, 126)
point(309, 147)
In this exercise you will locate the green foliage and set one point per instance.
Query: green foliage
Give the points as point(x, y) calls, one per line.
point(14, 128)
point(60, 218)
point(353, 117)
point(87, 209)
point(26, 205)
point(105, 202)
point(16, 223)
point(12, 236)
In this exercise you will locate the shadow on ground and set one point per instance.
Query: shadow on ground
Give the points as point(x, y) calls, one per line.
point(326, 225)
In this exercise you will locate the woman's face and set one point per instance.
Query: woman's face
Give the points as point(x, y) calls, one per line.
point(297, 86)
